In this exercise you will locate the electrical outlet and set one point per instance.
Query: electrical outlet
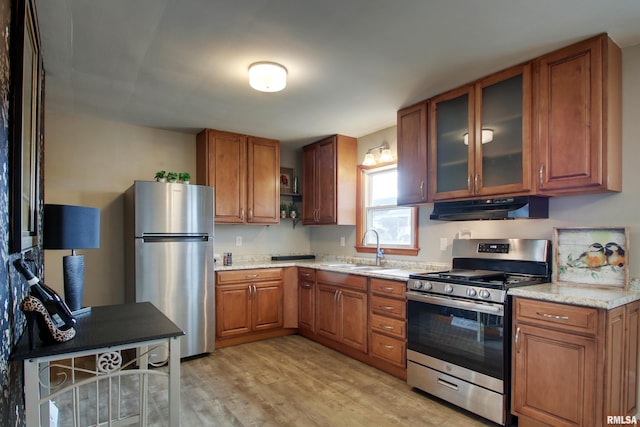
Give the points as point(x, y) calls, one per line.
point(443, 243)
point(238, 240)
point(343, 241)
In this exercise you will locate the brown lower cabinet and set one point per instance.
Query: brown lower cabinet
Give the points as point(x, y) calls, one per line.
point(572, 365)
point(248, 302)
point(341, 308)
point(363, 318)
point(306, 298)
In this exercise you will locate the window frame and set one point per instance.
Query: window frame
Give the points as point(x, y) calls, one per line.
point(361, 212)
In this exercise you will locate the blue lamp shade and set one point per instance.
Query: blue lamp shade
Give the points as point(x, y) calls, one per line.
point(71, 227)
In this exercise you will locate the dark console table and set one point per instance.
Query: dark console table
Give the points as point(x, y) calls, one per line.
point(104, 332)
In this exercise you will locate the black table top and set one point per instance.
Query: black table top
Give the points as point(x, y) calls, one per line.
point(105, 326)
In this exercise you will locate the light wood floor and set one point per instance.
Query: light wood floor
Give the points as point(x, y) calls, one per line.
point(292, 381)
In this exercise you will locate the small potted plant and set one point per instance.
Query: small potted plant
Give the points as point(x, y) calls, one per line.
point(172, 177)
point(184, 177)
point(161, 176)
point(293, 210)
point(283, 210)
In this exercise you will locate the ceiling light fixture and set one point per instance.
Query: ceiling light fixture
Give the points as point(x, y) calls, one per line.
point(487, 136)
point(267, 76)
point(385, 155)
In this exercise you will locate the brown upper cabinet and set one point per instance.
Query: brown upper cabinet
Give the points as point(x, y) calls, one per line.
point(480, 137)
point(244, 171)
point(329, 181)
point(551, 126)
point(579, 118)
point(412, 154)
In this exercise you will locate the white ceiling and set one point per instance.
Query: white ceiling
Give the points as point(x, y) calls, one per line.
point(182, 65)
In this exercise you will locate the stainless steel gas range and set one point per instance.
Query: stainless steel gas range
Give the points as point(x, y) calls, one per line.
point(459, 322)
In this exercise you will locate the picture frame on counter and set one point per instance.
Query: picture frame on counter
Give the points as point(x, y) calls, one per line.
point(591, 256)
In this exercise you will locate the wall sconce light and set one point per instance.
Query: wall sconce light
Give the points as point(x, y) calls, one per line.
point(385, 155)
point(267, 76)
point(487, 136)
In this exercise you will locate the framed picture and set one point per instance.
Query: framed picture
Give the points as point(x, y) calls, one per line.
point(286, 180)
point(25, 128)
point(591, 256)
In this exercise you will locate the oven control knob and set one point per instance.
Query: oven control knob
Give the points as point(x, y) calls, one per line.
point(427, 286)
point(417, 284)
point(471, 292)
point(448, 289)
point(484, 294)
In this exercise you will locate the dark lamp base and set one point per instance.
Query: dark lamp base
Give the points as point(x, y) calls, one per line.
point(73, 270)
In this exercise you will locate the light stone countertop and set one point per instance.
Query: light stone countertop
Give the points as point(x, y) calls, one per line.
point(584, 295)
point(387, 271)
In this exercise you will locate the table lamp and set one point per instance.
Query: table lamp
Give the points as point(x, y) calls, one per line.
point(71, 227)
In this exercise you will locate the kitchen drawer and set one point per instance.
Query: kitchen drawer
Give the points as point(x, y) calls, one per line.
point(389, 307)
point(389, 326)
point(389, 288)
point(558, 316)
point(389, 349)
point(306, 274)
point(347, 280)
point(245, 276)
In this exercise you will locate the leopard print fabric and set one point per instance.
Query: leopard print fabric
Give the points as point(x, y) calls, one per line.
point(32, 304)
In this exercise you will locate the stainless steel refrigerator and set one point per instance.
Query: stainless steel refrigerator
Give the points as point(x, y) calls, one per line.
point(169, 245)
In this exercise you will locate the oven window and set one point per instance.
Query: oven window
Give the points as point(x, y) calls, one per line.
point(460, 336)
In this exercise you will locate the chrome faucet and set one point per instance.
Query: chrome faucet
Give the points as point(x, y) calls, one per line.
point(379, 252)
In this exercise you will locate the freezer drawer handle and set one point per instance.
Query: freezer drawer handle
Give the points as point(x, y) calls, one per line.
point(447, 384)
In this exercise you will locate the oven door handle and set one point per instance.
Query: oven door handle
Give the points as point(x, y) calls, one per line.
point(456, 303)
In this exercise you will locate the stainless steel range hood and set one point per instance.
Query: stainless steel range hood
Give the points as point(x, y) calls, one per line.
point(498, 208)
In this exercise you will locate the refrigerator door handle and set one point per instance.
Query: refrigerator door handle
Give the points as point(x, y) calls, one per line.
point(147, 238)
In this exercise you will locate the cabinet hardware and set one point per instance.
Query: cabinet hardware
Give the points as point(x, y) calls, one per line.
point(447, 384)
point(475, 183)
point(540, 171)
point(387, 346)
point(306, 274)
point(385, 307)
point(517, 339)
point(387, 327)
point(387, 288)
point(469, 183)
point(242, 214)
point(306, 286)
point(552, 316)
point(250, 214)
point(422, 190)
point(252, 276)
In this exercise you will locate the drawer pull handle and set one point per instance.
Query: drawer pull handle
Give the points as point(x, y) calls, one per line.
point(252, 276)
point(386, 327)
point(447, 384)
point(306, 274)
point(307, 286)
point(552, 316)
point(386, 307)
point(388, 347)
point(387, 288)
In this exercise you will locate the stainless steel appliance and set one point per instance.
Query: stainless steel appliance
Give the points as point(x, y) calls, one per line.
point(169, 244)
point(459, 322)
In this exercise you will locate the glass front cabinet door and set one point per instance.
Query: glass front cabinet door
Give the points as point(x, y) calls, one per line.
point(480, 137)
